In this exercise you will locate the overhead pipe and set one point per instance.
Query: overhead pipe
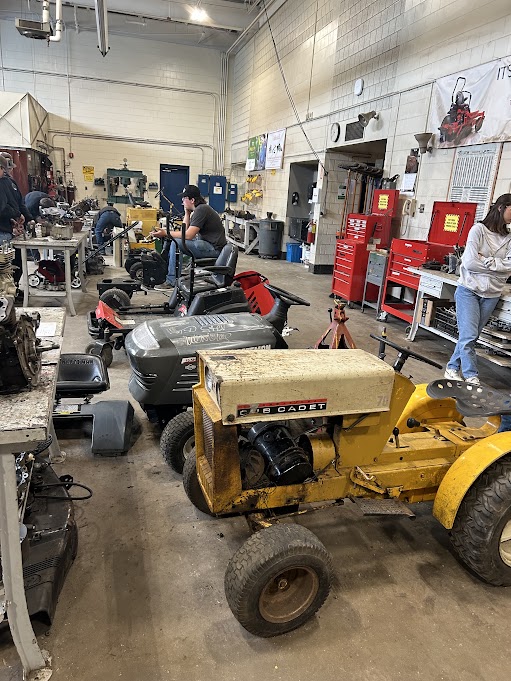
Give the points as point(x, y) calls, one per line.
point(59, 24)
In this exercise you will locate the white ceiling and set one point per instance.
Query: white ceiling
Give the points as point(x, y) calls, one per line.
point(163, 20)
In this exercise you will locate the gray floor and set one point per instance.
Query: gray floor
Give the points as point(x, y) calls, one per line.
point(144, 599)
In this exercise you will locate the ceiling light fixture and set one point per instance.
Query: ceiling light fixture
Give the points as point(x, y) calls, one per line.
point(197, 13)
point(102, 26)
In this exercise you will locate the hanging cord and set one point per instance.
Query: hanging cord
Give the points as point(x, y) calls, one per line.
point(66, 481)
point(288, 92)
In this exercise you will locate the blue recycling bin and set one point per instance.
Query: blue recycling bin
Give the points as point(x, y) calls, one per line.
point(293, 252)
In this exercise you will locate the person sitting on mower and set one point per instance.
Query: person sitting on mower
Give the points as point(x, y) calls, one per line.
point(104, 222)
point(205, 234)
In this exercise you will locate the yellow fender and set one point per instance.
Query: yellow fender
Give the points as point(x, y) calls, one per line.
point(464, 472)
point(424, 408)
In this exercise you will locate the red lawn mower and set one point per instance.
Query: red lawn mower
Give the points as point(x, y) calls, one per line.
point(460, 122)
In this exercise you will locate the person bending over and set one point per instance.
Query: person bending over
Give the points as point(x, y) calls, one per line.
point(485, 267)
point(204, 235)
point(104, 222)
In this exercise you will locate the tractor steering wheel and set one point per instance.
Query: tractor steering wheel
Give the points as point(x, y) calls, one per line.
point(404, 354)
point(287, 297)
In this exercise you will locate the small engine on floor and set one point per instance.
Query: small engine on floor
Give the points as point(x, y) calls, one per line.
point(7, 285)
point(20, 359)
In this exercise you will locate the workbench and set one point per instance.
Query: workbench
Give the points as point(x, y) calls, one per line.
point(25, 421)
point(69, 246)
point(247, 230)
point(436, 285)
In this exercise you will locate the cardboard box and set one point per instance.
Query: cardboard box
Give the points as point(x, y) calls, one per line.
point(429, 306)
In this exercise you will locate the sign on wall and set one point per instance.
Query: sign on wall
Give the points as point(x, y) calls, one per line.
point(275, 149)
point(88, 173)
point(472, 106)
point(256, 156)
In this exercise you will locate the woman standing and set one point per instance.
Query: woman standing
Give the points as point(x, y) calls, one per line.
point(485, 267)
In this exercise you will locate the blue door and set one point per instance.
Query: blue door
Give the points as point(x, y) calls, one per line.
point(172, 180)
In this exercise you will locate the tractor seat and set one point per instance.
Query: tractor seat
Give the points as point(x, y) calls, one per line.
point(81, 375)
point(227, 260)
point(471, 400)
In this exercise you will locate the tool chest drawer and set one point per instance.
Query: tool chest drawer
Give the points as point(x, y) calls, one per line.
point(366, 228)
point(350, 265)
point(410, 248)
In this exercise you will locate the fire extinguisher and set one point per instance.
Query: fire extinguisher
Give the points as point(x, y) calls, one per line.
point(311, 232)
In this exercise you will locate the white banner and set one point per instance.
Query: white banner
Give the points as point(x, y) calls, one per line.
point(275, 149)
point(472, 106)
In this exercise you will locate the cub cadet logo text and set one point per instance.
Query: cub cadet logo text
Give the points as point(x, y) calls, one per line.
point(282, 407)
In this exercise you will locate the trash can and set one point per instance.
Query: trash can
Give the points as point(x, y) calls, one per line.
point(270, 237)
point(293, 253)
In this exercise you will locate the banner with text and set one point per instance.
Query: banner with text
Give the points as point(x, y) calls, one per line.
point(275, 149)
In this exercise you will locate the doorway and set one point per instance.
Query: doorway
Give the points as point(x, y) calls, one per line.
point(172, 180)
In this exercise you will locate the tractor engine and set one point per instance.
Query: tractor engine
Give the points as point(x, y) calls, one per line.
point(285, 462)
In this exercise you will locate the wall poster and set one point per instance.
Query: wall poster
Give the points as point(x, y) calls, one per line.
point(472, 106)
point(256, 156)
point(275, 149)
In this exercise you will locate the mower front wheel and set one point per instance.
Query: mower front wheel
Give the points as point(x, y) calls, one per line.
point(178, 440)
point(137, 272)
point(115, 298)
point(192, 486)
point(278, 580)
point(481, 534)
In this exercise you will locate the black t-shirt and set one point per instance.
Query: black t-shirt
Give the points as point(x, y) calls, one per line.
point(210, 224)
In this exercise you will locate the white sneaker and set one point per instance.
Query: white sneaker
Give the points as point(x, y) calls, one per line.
point(453, 375)
point(473, 380)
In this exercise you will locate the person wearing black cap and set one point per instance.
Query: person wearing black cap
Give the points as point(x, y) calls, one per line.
point(205, 234)
point(104, 222)
point(36, 200)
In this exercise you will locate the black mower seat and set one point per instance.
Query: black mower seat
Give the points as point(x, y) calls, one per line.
point(81, 375)
point(210, 280)
point(471, 400)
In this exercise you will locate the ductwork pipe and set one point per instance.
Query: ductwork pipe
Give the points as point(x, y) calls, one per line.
point(59, 24)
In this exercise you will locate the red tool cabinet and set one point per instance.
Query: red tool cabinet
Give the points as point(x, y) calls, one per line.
point(363, 228)
point(350, 267)
point(450, 224)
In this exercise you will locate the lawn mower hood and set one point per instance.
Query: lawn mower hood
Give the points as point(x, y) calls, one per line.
point(162, 352)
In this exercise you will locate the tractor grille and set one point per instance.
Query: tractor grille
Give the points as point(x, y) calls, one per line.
point(145, 381)
point(207, 428)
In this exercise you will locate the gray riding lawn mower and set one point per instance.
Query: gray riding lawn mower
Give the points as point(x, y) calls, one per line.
point(163, 359)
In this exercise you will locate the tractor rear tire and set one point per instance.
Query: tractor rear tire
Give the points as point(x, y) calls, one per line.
point(137, 272)
point(278, 579)
point(481, 534)
point(115, 298)
point(178, 440)
point(192, 486)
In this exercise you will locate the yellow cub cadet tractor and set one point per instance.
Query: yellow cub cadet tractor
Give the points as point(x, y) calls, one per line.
point(277, 433)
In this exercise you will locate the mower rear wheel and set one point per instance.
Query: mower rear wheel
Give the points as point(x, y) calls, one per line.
point(137, 272)
point(178, 440)
point(481, 534)
point(115, 298)
point(278, 579)
point(192, 486)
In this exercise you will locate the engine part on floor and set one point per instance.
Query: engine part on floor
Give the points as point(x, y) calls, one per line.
point(80, 377)
point(48, 531)
point(7, 285)
point(20, 358)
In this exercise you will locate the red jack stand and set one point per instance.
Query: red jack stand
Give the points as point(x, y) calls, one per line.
point(341, 337)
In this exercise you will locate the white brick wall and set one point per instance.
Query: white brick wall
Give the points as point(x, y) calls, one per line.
point(399, 47)
point(142, 92)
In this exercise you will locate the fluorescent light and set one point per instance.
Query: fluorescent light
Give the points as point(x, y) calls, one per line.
point(198, 14)
point(102, 26)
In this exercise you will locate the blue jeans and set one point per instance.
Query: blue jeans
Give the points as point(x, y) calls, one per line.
point(106, 220)
point(198, 248)
point(472, 314)
point(505, 423)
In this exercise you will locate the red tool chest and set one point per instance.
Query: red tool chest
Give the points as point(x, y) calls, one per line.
point(350, 267)
point(450, 224)
point(363, 228)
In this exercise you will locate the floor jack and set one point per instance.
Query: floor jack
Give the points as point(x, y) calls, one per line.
point(341, 337)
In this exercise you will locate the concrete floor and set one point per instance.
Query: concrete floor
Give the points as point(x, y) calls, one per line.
point(144, 599)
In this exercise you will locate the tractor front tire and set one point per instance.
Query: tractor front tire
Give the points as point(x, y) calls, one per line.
point(178, 440)
point(481, 534)
point(192, 486)
point(278, 579)
point(115, 298)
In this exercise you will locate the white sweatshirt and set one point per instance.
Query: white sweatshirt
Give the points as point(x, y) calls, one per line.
point(486, 262)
